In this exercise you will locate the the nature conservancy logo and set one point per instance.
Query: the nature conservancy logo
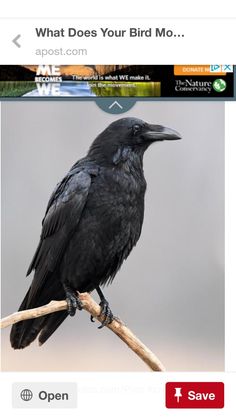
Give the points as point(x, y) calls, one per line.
point(193, 86)
point(199, 86)
point(219, 85)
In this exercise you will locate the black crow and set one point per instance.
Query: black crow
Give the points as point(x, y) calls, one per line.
point(93, 219)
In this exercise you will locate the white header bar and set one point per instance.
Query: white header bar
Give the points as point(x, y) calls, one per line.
point(92, 8)
point(111, 41)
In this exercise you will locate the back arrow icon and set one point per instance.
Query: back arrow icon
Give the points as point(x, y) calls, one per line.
point(15, 41)
point(115, 103)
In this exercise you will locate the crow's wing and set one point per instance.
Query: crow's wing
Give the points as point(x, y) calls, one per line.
point(61, 219)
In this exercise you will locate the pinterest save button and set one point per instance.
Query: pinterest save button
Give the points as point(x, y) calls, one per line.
point(195, 395)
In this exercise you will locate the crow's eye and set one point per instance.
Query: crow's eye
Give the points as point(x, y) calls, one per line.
point(136, 128)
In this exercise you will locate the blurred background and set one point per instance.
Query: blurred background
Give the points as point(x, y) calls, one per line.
point(170, 291)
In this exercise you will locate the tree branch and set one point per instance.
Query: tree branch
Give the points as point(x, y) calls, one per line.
point(94, 309)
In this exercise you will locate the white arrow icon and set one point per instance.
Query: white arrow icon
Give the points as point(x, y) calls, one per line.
point(15, 41)
point(115, 103)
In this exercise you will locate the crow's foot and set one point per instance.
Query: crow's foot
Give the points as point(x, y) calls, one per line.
point(73, 302)
point(106, 312)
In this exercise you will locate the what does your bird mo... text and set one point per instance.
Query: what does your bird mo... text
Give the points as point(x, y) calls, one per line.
point(107, 33)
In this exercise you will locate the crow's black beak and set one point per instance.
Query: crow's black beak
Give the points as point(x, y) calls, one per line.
point(160, 133)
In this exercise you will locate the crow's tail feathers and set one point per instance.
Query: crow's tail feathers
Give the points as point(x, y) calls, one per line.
point(26, 331)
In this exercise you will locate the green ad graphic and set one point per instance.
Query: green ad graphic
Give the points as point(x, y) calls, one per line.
point(219, 85)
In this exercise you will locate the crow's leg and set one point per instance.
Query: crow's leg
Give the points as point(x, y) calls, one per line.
point(105, 310)
point(72, 299)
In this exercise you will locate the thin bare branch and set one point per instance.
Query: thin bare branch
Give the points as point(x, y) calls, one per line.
point(94, 309)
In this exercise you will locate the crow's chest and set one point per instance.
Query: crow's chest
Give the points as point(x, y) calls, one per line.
point(113, 215)
point(119, 196)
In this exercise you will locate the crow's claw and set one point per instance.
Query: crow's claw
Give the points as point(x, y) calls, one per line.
point(73, 302)
point(106, 312)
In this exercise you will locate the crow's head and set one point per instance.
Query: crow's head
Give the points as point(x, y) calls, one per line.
point(130, 135)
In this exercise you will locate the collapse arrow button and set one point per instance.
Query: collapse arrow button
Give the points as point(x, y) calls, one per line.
point(115, 104)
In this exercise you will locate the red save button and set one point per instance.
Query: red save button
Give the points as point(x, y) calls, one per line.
point(194, 395)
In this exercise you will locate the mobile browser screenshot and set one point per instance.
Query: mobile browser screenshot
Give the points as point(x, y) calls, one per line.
point(118, 168)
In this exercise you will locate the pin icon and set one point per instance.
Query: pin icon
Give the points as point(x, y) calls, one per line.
point(178, 393)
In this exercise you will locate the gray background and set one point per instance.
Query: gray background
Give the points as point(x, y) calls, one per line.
point(170, 291)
